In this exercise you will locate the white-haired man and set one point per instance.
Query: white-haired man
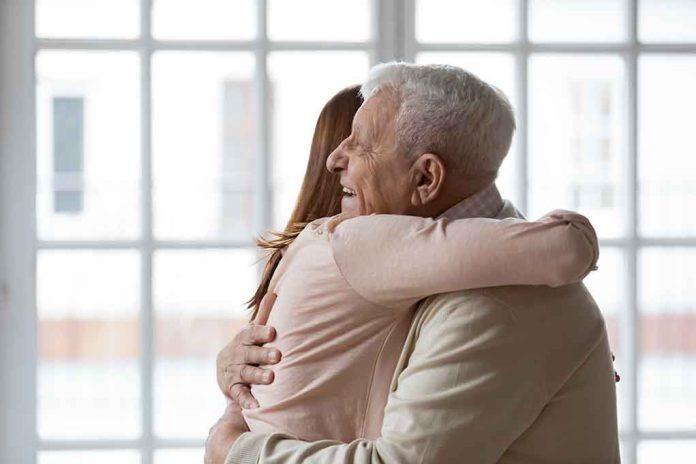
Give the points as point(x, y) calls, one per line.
point(509, 374)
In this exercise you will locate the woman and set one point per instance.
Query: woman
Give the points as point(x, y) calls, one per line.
point(347, 290)
point(320, 194)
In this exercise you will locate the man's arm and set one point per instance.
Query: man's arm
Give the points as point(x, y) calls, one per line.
point(471, 386)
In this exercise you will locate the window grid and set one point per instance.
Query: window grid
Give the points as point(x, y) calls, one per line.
point(147, 444)
point(394, 25)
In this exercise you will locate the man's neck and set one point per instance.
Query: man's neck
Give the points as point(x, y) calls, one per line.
point(484, 203)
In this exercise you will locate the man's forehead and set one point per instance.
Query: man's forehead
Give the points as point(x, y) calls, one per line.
point(374, 111)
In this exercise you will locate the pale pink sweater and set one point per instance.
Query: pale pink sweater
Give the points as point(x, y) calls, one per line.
point(346, 299)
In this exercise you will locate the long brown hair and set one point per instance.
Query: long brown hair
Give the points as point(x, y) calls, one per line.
point(320, 194)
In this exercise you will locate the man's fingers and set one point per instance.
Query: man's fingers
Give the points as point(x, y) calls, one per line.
point(255, 375)
point(257, 355)
point(241, 395)
point(256, 334)
point(265, 308)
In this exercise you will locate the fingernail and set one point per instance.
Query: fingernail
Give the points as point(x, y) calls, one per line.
point(266, 376)
point(269, 331)
point(273, 356)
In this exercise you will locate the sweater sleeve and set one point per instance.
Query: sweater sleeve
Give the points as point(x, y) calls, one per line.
point(395, 261)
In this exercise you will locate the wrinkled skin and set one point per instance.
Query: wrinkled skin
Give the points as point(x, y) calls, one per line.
point(368, 162)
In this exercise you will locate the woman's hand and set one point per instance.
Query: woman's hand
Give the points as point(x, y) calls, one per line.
point(238, 362)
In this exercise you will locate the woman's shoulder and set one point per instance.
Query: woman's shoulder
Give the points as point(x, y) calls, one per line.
point(319, 228)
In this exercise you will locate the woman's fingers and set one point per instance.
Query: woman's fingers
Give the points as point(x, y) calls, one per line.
point(265, 308)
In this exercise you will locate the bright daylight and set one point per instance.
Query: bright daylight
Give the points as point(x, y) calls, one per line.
point(464, 228)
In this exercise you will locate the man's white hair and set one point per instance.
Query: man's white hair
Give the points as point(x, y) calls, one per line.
point(447, 111)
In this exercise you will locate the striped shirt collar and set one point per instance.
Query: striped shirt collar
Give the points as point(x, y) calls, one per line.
point(486, 203)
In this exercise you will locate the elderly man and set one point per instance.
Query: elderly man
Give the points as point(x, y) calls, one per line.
point(509, 374)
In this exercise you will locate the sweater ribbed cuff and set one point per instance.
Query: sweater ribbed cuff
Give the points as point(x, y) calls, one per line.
point(246, 449)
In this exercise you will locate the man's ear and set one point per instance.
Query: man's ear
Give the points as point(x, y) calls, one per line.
point(429, 173)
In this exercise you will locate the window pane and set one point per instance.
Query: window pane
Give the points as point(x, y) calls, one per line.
point(89, 457)
point(298, 97)
point(204, 19)
point(88, 378)
point(577, 138)
point(668, 348)
point(204, 145)
point(667, 21)
point(607, 286)
point(99, 19)
point(660, 452)
point(667, 147)
point(88, 145)
point(466, 20)
point(199, 297)
point(577, 20)
point(497, 69)
point(320, 20)
point(179, 456)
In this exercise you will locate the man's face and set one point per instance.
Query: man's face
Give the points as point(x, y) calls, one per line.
point(376, 179)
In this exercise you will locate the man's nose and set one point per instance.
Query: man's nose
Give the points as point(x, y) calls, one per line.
point(336, 162)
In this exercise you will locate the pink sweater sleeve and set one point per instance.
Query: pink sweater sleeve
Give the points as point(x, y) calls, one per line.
point(394, 261)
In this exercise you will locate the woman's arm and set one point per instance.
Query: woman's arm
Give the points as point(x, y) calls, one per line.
point(395, 260)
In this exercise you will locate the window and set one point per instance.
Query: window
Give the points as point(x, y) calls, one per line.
point(591, 108)
point(169, 132)
point(68, 129)
point(237, 158)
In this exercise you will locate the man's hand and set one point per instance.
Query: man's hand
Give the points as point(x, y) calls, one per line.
point(238, 362)
point(224, 433)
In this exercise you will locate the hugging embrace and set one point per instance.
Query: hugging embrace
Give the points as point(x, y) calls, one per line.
point(407, 313)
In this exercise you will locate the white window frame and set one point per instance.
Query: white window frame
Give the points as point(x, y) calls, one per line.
point(393, 38)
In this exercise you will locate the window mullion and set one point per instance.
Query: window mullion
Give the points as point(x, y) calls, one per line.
point(631, 327)
point(263, 185)
point(522, 54)
point(147, 326)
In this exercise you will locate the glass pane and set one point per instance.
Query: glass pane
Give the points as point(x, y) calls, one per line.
point(179, 456)
point(672, 451)
point(89, 457)
point(204, 19)
point(577, 20)
point(667, 176)
point(667, 375)
point(298, 97)
point(88, 145)
point(667, 20)
point(204, 145)
point(199, 297)
point(607, 286)
point(466, 20)
point(497, 69)
point(320, 20)
point(88, 377)
point(577, 138)
point(99, 19)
